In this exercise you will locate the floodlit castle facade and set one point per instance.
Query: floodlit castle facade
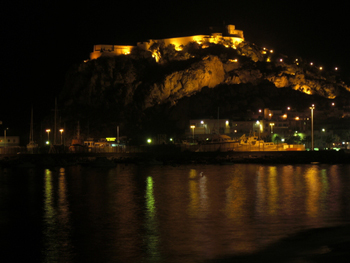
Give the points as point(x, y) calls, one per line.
point(231, 39)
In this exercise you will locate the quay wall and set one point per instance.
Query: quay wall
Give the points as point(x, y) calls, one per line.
point(178, 158)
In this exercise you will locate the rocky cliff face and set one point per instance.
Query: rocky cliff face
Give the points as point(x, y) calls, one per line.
point(209, 72)
point(120, 79)
point(132, 83)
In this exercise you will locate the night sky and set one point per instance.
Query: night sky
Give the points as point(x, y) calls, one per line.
point(41, 41)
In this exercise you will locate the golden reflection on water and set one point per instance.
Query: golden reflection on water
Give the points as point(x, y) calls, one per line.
point(179, 211)
point(56, 219)
point(198, 206)
point(289, 189)
point(152, 237)
point(313, 191)
point(50, 233)
point(273, 192)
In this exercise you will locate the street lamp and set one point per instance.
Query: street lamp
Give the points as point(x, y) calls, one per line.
point(61, 131)
point(259, 128)
point(272, 124)
point(192, 127)
point(312, 126)
point(48, 135)
point(5, 130)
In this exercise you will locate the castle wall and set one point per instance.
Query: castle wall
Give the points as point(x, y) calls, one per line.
point(235, 36)
point(116, 50)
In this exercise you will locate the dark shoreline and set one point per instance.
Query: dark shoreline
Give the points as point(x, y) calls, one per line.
point(177, 158)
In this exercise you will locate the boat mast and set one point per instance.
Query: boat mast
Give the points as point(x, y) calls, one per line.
point(54, 133)
point(31, 127)
point(78, 131)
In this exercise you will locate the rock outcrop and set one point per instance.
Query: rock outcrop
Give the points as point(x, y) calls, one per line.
point(208, 72)
point(122, 88)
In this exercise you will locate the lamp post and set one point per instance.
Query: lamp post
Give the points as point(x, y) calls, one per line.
point(192, 127)
point(48, 135)
point(312, 126)
point(272, 124)
point(5, 130)
point(61, 131)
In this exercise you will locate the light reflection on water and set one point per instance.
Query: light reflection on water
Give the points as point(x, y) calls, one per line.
point(163, 213)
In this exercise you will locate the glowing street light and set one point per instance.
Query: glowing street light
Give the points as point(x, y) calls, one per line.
point(259, 128)
point(48, 135)
point(192, 127)
point(61, 131)
point(312, 126)
point(272, 124)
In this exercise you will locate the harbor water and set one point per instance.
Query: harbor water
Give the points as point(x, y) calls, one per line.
point(164, 213)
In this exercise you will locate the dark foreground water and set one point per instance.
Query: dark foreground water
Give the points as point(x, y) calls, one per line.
point(159, 213)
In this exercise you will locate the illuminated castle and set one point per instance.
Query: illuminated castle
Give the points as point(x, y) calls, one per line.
point(231, 39)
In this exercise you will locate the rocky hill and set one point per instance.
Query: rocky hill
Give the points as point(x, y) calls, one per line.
point(144, 96)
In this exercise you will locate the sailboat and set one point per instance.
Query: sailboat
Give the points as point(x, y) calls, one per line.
point(31, 146)
point(77, 144)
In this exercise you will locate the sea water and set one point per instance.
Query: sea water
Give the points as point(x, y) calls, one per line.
point(164, 213)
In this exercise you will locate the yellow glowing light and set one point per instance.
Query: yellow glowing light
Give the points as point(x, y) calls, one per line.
point(110, 139)
point(268, 60)
point(320, 68)
point(288, 108)
point(233, 60)
point(311, 63)
point(284, 116)
point(271, 51)
point(281, 60)
point(296, 118)
point(335, 68)
point(264, 52)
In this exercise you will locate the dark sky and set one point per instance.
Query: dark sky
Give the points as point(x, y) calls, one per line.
point(41, 41)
